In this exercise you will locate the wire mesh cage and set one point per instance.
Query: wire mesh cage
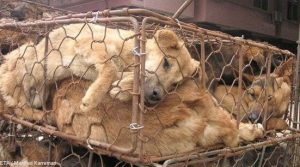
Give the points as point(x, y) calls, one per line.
point(148, 90)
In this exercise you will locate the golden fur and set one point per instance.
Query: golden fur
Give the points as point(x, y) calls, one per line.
point(254, 100)
point(95, 53)
point(184, 120)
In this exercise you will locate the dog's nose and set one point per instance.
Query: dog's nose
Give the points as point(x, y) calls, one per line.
point(254, 117)
point(155, 96)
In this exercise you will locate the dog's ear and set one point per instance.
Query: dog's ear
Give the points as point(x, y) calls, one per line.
point(278, 81)
point(197, 72)
point(196, 69)
point(281, 80)
point(167, 39)
point(285, 70)
point(195, 63)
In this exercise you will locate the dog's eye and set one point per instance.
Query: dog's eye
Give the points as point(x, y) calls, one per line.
point(174, 85)
point(196, 75)
point(166, 64)
point(270, 97)
point(252, 95)
point(33, 91)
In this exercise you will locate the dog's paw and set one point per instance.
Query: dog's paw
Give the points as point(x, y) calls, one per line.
point(277, 124)
point(9, 101)
point(121, 88)
point(259, 130)
point(87, 104)
point(250, 132)
point(118, 93)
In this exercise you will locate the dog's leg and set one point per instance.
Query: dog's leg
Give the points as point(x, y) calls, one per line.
point(250, 132)
point(107, 73)
point(31, 114)
point(122, 87)
point(277, 124)
point(231, 140)
point(8, 86)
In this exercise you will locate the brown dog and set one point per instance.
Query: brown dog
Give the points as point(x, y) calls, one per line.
point(255, 104)
point(184, 120)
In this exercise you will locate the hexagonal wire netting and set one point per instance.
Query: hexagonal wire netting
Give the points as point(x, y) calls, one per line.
point(172, 94)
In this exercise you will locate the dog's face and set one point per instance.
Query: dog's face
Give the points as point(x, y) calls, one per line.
point(269, 100)
point(168, 63)
point(35, 93)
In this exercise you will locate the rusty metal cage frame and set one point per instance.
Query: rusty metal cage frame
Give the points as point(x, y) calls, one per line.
point(149, 17)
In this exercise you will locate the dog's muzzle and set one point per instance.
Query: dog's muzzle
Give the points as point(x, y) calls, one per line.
point(152, 96)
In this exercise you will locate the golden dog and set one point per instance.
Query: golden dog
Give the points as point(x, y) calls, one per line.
point(95, 53)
